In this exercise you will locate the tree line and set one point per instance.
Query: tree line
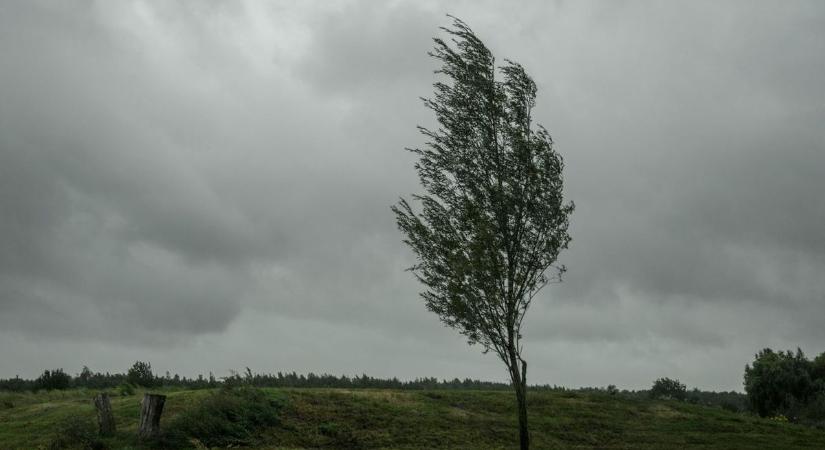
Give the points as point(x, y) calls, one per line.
point(141, 375)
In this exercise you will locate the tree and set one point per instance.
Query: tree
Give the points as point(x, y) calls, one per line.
point(668, 388)
point(818, 369)
point(493, 220)
point(140, 374)
point(779, 382)
point(84, 378)
point(54, 379)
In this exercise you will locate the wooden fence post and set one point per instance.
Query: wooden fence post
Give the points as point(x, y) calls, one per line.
point(105, 418)
point(150, 410)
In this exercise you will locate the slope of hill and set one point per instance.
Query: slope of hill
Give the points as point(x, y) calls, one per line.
point(368, 418)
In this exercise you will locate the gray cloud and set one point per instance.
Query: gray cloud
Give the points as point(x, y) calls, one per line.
point(184, 183)
point(360, 50)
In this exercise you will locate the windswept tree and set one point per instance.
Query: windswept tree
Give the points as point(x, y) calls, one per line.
point(492, 221)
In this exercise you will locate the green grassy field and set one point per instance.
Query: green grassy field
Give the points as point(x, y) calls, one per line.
point(338, 418)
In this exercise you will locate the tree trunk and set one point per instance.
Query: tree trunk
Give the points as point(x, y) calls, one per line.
point(105, 418)
point(150, 410)
point(521, 398)
point(520, 385)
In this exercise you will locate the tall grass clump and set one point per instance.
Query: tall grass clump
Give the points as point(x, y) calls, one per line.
point(75, 432)
point(228, 417)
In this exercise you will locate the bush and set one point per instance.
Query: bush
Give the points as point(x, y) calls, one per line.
point(55, 379)
point(730, 407)
point(229, 417)
point(340, 436)
point(813, 413)
point(126, 389)
point(17, 384)
point(76, 432)
point(667, 388)
point(612, 389)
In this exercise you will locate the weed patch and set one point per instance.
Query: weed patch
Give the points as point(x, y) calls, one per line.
point(228, 417)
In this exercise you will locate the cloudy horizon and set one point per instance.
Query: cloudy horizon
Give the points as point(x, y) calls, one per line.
point(206, 186)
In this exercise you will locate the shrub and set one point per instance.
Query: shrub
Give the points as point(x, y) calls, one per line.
point(694, 396)
point(229, 417)
point(612, 389)
point(340, 436)
point(17, 384)
point(668, 388)
point(54, 379)
point(75, 432)
point(813, 413)
point(730, 406)
point(126, 389)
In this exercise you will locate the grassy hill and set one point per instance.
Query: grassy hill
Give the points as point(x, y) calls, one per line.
point(367, 418)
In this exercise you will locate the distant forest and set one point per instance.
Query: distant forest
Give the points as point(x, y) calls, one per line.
point(141, 375)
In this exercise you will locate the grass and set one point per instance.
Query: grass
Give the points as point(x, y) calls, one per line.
point(367, 418)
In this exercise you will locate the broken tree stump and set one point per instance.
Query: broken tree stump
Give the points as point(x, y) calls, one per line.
point(105, 418)
point(150, 410)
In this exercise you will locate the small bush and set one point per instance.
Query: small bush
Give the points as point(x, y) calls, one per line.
point(612, 389)
point(76, 432)
point(229, 417)
point(341, 435)
point(731, 407)
point(126, 390)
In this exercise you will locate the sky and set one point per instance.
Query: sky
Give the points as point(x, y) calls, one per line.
point(207, 186)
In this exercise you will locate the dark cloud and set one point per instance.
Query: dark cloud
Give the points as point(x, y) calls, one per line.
point(367, 49)
point(181, 183)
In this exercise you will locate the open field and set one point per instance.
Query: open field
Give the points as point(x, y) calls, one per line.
point(367, 418)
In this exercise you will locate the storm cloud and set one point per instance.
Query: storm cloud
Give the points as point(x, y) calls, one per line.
point(207, 186)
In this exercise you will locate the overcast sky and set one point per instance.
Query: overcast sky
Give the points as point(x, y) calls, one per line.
point(206, 186)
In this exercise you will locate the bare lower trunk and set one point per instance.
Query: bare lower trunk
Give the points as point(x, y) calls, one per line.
point(519, 379)
point(150, 410)
point(105, 418)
